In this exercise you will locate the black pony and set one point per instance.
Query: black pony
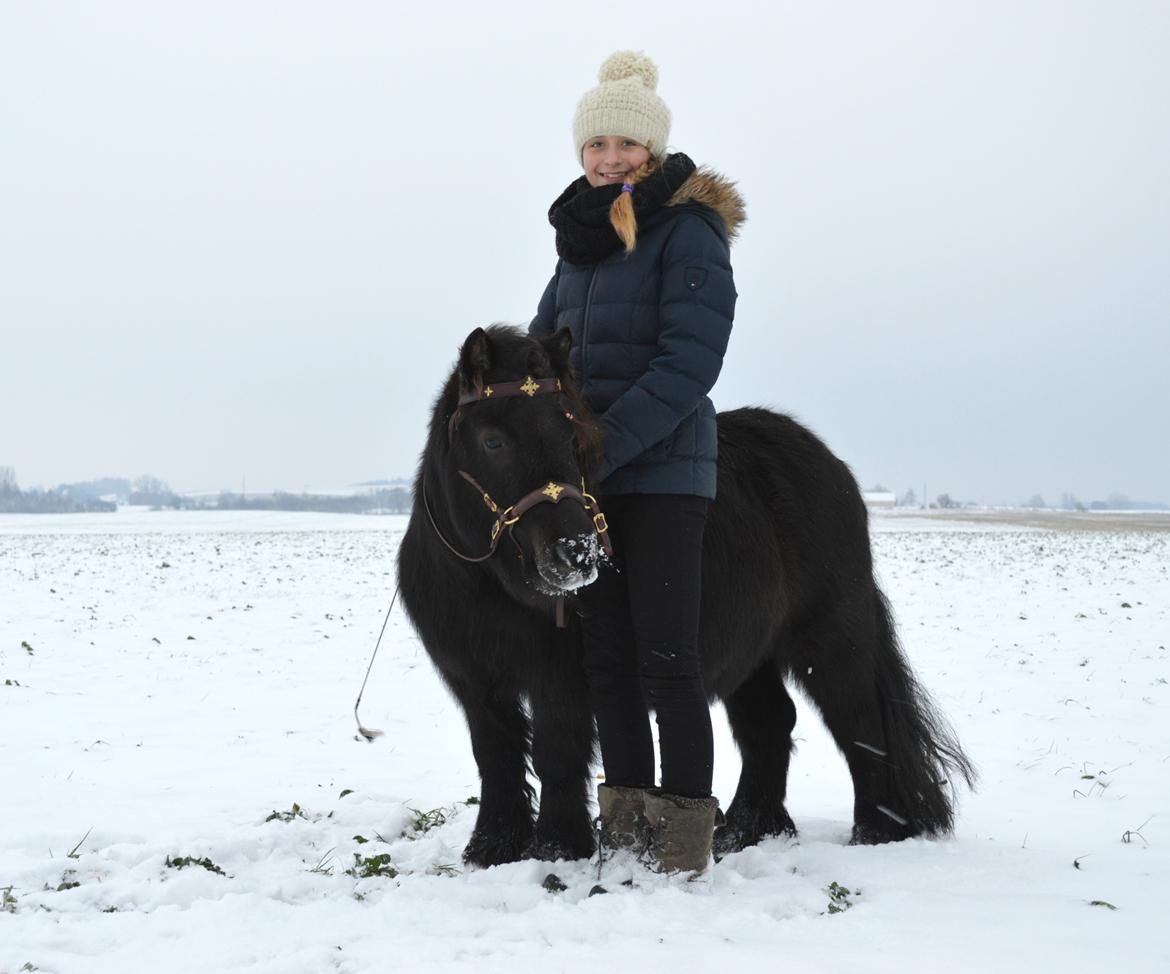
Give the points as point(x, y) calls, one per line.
point(788, 592)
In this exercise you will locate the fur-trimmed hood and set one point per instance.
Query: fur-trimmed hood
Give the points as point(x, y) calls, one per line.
point(716, 192)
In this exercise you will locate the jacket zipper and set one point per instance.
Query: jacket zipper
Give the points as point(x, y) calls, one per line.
point(585, 325)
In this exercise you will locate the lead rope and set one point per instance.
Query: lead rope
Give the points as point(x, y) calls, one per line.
point(368, 734)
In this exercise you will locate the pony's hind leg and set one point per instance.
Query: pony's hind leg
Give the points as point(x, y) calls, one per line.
point(899, 750)
point(762, 716)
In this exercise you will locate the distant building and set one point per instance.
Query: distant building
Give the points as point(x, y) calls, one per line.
point(878, 500)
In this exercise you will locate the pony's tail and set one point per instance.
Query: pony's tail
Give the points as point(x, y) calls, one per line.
point(621, 212)
point(922, 745)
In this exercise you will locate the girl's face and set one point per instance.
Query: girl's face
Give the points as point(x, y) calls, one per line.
point(611, 158)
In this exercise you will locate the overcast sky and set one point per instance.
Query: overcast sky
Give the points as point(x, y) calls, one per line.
point(245, 240)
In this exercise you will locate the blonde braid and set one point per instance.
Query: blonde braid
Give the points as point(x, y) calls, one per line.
point(621, 213)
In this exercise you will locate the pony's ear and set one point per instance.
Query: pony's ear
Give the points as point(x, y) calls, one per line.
point(475, 357)
point(558, 346)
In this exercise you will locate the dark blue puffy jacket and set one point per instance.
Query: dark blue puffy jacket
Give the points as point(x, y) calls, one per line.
point(649, 332)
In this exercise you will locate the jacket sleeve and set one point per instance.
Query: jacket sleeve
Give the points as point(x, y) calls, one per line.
point(546, 311)
point(695, 312)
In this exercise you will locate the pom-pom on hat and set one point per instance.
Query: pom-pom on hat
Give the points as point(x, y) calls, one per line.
point(625, 103)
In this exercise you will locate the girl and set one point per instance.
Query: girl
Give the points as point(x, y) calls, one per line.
point(644, 283)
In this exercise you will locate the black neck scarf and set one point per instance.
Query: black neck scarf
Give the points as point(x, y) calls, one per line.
point(580, 215)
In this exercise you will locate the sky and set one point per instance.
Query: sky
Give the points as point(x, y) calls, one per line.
point(241, 243)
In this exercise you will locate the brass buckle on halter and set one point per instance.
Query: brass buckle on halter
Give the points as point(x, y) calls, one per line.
point(501, 521)
point(491, 504)
point(599, 522)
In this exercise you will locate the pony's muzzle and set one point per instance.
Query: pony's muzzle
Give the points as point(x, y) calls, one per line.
point(566, 564)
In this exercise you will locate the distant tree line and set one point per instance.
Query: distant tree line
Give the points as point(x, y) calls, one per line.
point(380, 497)
point(151, 492)
point(395, 500)
point(1113, 502)
point(107, 493)
point(59, 500)
point(1068, 502)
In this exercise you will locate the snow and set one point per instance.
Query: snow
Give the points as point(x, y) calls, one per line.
point(172, 683)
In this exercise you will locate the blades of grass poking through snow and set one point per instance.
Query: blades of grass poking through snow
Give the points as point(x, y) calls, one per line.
point(182, 862)
point(73, 853)
point(295, 812)
point(367, 867)
point(1130, 834)
point(324, 865)
point(67, 882)
point(839, 895)
point(7, 900)
point(422, 822)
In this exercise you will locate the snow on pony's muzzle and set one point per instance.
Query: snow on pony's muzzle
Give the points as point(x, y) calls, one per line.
point(569, 563)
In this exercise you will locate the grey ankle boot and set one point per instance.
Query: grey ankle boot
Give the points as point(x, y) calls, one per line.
point(681, 830)
point(623, 821)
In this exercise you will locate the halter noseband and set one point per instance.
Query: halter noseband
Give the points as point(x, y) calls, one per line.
point(551, 492)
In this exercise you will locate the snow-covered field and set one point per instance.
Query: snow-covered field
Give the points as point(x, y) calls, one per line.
point(181, 788)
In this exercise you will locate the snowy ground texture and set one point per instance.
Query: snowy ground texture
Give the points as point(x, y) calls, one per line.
point(181, 788)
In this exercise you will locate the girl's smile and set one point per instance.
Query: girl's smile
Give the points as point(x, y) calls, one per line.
point(609, 159)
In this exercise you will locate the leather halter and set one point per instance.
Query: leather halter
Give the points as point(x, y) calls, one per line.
point(552, 492)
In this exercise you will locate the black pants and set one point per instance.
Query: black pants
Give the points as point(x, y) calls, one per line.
point(641, 627)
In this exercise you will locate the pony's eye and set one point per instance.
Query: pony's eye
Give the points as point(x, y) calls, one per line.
point(492, 443)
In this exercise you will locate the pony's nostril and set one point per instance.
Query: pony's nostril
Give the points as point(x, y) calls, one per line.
point(564, 554)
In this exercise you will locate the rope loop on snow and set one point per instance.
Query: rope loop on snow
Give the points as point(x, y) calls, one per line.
point(368, 733)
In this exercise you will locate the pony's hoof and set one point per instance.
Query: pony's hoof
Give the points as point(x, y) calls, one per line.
point(871, 834)
point(492, 849)
point(549, 849)
point(738, 835)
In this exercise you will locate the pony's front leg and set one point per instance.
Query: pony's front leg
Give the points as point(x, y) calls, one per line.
point(562, 748)
point(499, 741)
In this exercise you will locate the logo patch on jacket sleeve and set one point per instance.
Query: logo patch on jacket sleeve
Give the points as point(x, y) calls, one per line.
point(696, 277)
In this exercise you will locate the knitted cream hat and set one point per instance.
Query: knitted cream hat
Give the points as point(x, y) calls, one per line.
point(623, 104)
